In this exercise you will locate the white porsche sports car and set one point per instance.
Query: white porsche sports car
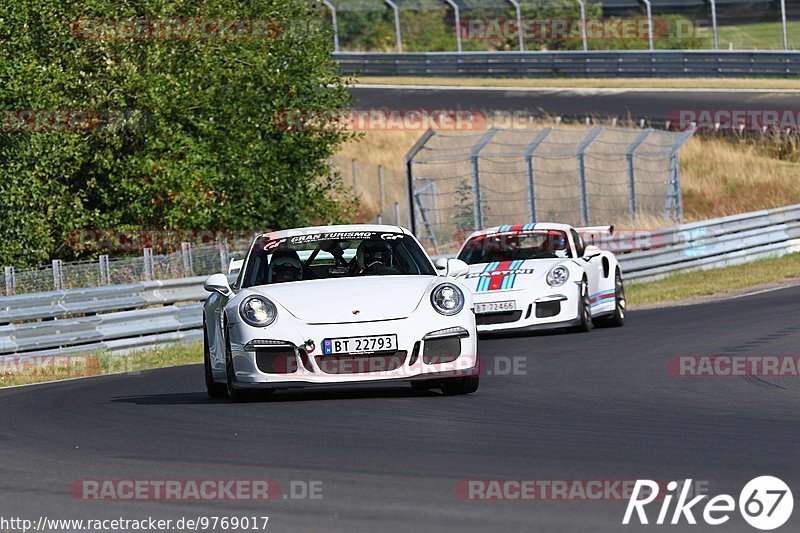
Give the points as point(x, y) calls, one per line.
point(339, 304)
point(542, 276)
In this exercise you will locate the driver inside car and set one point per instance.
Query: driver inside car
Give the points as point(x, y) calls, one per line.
point(375, 258)
point(285, 266)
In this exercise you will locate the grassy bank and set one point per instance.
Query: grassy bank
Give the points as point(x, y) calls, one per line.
point(73, 366)
point(719, 281)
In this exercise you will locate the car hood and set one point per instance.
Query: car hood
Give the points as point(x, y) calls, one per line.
point(509, 275)
point(336, 301)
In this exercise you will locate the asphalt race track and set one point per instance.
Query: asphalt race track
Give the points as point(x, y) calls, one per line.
point(595, 406)
point(653, 105)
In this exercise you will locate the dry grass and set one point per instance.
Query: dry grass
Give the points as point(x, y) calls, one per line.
point(593, 83)
point(718, 281)
point(40, 369)
point(720, 176)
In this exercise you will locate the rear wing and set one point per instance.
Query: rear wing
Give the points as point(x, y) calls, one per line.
point(595, 234)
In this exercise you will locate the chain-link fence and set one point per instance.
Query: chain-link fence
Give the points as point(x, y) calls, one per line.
point(601, 175)
point(199, 261)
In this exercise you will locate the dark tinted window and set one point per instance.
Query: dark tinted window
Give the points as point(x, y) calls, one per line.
point(334, 255)
point(543, 244)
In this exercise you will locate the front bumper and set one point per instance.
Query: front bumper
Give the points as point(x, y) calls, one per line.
point(537, 309)
point(293, 364)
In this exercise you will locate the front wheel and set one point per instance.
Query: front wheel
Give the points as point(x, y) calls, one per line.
point(214, 389)
point(618, 318)
point(584, 309)
point(234, 394)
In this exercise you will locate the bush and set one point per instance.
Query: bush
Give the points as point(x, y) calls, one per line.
point(181, 133)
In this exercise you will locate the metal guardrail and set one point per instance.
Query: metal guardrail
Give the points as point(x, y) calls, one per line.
point(592, 63)
point(128, 317)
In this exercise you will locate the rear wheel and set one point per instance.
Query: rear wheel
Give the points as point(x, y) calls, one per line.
point(584, 308)
point(214, 389)
point(458, 386)
point(618, 318)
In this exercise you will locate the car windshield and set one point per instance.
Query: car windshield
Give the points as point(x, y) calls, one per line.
point(515, 246)
point(334, 255)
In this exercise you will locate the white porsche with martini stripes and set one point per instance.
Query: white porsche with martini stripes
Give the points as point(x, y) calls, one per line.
point(542, 276)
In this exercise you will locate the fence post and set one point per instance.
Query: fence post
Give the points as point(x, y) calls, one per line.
point(335, 25)
point(583, 25)
point(149, 273)
point(11, 281)
point(223, 257)
point(105, 272)
point(382, 185)
point(581, 153)
point(477, 204)
point(714, 23)
point(355, 177)
point(186, 253)
point(397, 35)
point(783, 25)
point(649, 23)
point(58, 275)
point(408, 163)
point(529, 170)
point(397, 213)
point(632, 171)
point(457, 13)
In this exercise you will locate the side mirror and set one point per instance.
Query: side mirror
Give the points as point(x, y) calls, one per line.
point(441, 265)
point(218, 283)
point(456, 268)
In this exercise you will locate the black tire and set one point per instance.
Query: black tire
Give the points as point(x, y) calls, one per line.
point(584, 309)
point(234, 394)
point(620, 309)
point(214, 389)
point(458, 386)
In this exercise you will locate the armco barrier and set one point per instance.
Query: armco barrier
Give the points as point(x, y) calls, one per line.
point(128, 317)
point(592, 63)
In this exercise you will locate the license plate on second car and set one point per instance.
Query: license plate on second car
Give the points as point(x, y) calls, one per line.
point(495, 307)
point(369, 343)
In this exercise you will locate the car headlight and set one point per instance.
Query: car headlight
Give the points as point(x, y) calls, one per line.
point(447, 299)
point(258, 311)
point(558, 276)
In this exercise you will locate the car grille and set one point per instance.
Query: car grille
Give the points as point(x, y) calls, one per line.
point(276, 360)
point(548, 309)
point(361, 363)
point(441, 350)
point(498, 318)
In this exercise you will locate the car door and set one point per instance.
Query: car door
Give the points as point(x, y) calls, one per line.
point(592, 265)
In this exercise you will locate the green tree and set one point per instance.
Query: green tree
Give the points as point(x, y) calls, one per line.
point(187, 130)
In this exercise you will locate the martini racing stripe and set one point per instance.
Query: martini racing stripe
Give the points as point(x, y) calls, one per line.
point(503, 280)
point(602, 297)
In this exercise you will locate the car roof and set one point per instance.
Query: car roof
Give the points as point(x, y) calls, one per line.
point(340, 228)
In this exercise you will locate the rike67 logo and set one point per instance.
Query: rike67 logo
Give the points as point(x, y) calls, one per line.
point(765, 503)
